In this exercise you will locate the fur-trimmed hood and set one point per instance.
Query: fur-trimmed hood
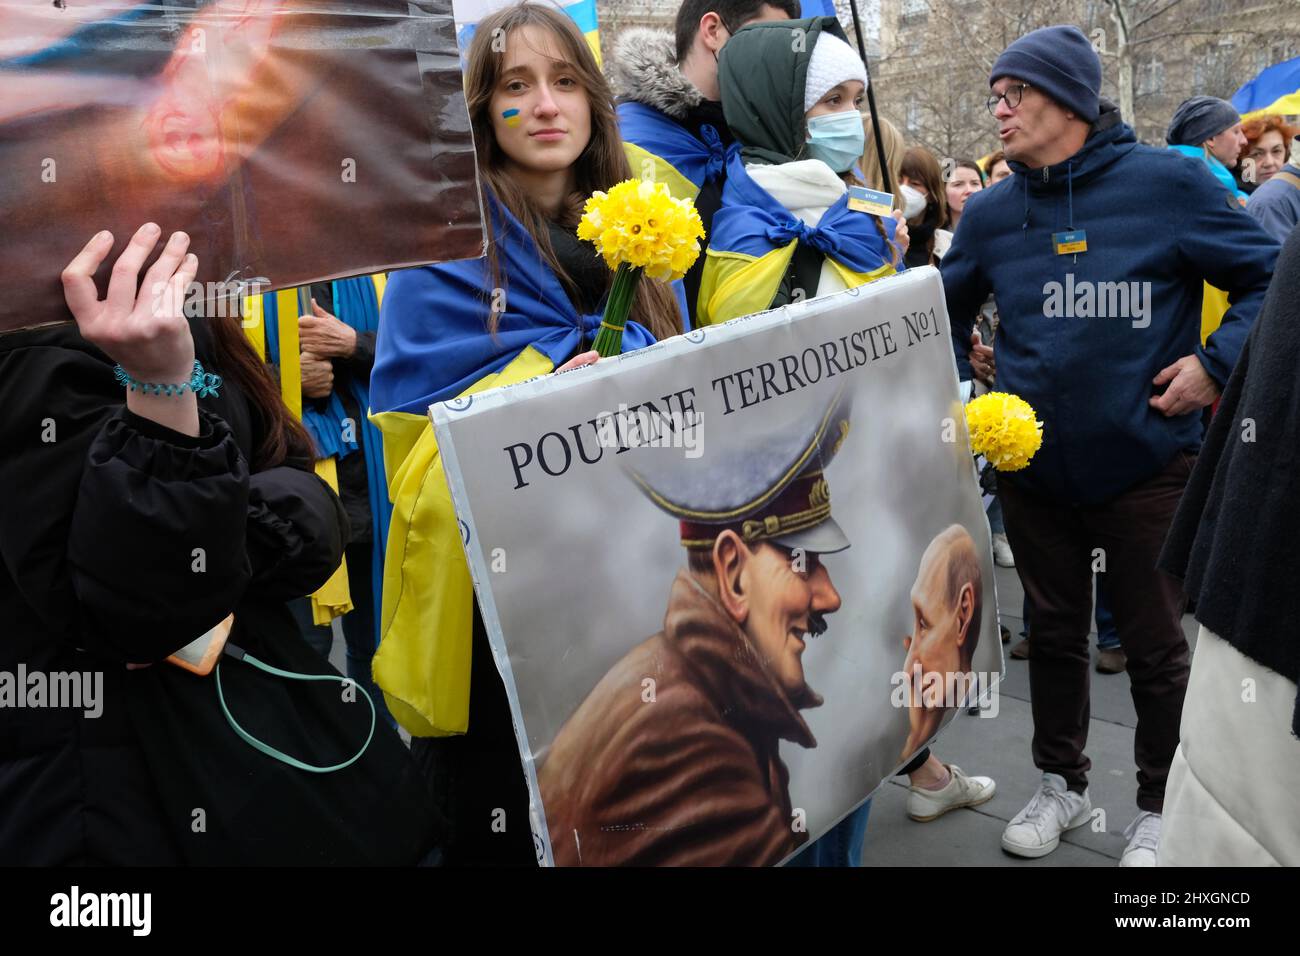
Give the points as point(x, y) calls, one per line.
point(644, 68)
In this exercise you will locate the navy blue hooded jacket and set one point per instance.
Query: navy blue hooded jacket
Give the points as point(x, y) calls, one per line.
point(1152, 217)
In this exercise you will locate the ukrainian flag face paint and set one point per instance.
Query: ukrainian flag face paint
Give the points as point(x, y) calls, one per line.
point(511, 117)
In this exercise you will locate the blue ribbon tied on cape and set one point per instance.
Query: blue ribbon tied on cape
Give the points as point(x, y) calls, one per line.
point(753, 223)
point(700, 160)
point(433, 340)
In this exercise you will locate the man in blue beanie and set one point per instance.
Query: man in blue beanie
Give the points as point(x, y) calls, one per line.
point(1096, 249)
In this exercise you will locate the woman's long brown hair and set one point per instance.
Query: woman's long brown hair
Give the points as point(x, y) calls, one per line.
point(600, 166)
point(283, 436)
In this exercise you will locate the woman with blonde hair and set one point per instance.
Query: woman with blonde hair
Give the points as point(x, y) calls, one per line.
point(546, 134)
point(894, 145)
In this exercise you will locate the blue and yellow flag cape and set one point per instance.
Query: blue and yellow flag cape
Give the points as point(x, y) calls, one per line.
point(662, 150)
point(754, 239)
point(433, 345)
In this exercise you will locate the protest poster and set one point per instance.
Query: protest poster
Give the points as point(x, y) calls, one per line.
point(294, 140)
point(733, 580)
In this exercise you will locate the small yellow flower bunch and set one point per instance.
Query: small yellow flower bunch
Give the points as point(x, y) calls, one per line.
point(638, 227)
point(641, 224)
point(1004, 429)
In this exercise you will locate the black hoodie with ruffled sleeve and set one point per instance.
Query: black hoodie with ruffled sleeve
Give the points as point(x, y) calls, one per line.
point(120, 542)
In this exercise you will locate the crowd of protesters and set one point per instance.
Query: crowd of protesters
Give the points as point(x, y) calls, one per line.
point(1144, 456)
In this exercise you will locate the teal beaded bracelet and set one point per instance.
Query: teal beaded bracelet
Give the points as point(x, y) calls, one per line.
point(202, 384)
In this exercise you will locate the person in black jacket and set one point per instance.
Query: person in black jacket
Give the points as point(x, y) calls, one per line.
point(133, 523)
point(1233, 780)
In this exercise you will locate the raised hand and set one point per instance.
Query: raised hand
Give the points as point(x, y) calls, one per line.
point(141, 325)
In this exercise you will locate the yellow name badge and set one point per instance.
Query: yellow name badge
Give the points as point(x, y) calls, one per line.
point(1067, 242)
point(862, 199)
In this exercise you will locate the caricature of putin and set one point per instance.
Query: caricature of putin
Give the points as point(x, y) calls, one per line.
point(946, 606)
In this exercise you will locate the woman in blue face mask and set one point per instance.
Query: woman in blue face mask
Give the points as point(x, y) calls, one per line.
point(785, 231)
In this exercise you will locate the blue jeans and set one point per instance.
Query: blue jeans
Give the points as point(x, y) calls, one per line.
point(996, 524)
point(839, 846)
point(1107, 633)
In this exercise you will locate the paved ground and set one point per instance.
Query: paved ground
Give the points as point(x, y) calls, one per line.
point(998, 747)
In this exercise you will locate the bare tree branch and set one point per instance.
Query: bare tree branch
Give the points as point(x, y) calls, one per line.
point(1179, 33)
point(1151, 16)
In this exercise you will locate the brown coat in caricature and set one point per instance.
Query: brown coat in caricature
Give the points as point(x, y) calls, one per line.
point(690, 779)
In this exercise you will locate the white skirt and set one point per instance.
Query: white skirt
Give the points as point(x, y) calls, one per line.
point(1234, 785)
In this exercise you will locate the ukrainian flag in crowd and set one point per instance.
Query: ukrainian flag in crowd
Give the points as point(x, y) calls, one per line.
point(469, 12)
point(1276, 90)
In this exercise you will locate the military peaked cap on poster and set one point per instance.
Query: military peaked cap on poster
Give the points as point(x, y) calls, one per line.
point(775, 490)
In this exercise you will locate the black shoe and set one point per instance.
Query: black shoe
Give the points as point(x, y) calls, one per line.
point(1112, 660)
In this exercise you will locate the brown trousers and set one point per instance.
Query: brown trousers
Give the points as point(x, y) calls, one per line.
point(1055, 544)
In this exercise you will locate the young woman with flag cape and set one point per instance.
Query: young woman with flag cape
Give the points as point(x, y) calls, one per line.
point(547, 138)
point(791, 91)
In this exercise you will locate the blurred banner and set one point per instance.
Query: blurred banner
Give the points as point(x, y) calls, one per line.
point(294, 140)
point(470, 12)
point(733, 580)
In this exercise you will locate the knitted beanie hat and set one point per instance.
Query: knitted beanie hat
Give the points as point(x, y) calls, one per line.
point(1060, 62)
point(1200, 118)
point(832, 62)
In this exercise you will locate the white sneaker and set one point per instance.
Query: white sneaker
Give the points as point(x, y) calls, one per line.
point(1002, 555)
point(960, 791)
point(1036, 830)
point(1143, 836)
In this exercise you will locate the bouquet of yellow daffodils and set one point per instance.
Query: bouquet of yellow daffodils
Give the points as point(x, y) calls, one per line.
point(638, 227)
point(1004, 429)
